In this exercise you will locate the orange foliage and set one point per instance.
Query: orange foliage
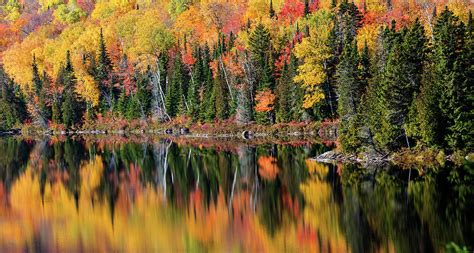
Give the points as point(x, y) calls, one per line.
point(265, 101)
point(268, 168)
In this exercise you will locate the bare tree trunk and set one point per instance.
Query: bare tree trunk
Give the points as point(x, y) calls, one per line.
point(226, 79)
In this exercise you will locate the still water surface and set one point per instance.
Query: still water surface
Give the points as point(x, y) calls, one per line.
point(162, 196)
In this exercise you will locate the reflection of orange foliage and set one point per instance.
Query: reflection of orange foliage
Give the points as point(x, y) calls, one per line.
point(265, 101)
point(267, 167)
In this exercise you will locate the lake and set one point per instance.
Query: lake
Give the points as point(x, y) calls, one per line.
point(148, 194)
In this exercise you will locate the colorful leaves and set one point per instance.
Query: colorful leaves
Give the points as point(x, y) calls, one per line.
point(268, 168)
point(314, 51)
point(265, 101)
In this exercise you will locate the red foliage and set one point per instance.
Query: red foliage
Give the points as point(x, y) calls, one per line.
point(293, 9)
point(188, 57)
point(285, 54)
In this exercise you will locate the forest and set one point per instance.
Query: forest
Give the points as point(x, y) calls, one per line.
point(390, 73)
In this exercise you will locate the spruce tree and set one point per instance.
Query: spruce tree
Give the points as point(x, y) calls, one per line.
point(349, 91)
point(12, 106)
point(221, 96)
point(197, 74)
point(37, 102)
point(36, 80)
point(453, 78)
point(71, 108)
point(307, 11)
point(271, 11)
point(103, 75)
point(45, 97)
point(175, 100)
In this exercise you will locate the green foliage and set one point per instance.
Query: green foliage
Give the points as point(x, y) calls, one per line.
point(103, 75)
point(12, 9)
point(69, 13)
point(12, 107)
point(71, 108)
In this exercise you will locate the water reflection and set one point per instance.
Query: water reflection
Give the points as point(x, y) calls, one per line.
point(77, 195)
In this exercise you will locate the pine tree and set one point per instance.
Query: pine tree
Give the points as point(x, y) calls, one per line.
point(221, 95)
point(271, 11)
point(103, 75)
point(45, 96)
point(36, 80)
point(196, 73)
point(289, 102)
point(307, 11)
point(206, 100)
point(122, 104)
point(71, 107)
point(454, 79)
point(12, 107)
point(364, 68)
point(37, 102)
point(175, 100)
point(260, 47)
point(349, 91)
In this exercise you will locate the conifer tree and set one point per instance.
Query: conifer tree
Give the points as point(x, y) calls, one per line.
point(349, 91)
point(36, 80)
point(175, 100)
point(271, 11)
point(196, 73)
point(307, 11)
point(221, 95)
point(45, 98)
point(260, 47)
point(36, 101)
point(453, 75)
point(103, 75)
point(71, 108)
point(12, 107)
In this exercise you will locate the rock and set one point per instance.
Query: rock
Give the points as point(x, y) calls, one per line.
point(184, 130)
point(246, 135)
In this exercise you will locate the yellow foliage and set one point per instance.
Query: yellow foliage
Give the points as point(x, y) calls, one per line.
point(314, 51)
point(368, 33)
point(18, 58)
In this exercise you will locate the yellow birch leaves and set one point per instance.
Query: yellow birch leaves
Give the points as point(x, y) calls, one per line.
point(314, 51)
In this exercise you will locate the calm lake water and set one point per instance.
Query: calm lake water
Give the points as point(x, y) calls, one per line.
point(161, 196)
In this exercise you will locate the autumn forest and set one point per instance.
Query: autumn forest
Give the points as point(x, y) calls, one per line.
point(389, 73)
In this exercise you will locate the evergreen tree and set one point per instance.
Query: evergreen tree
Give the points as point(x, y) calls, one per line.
point(103, 75)
point(122, 104)
point(71, 107)
point(260, 47)
point(289, 95)
point(45, 97)
point(453, 75)
point(349, 91)
point(307, 11)
point(196, 73)
point(12, 107)
point(207, 99)
point(221, 95)
point(271, 11)
point(175, 100)
point(37, 102)
point(36, 80)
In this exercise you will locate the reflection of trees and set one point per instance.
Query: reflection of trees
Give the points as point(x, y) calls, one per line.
point(255, 198)
point(382, 210)
point(14, 155)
